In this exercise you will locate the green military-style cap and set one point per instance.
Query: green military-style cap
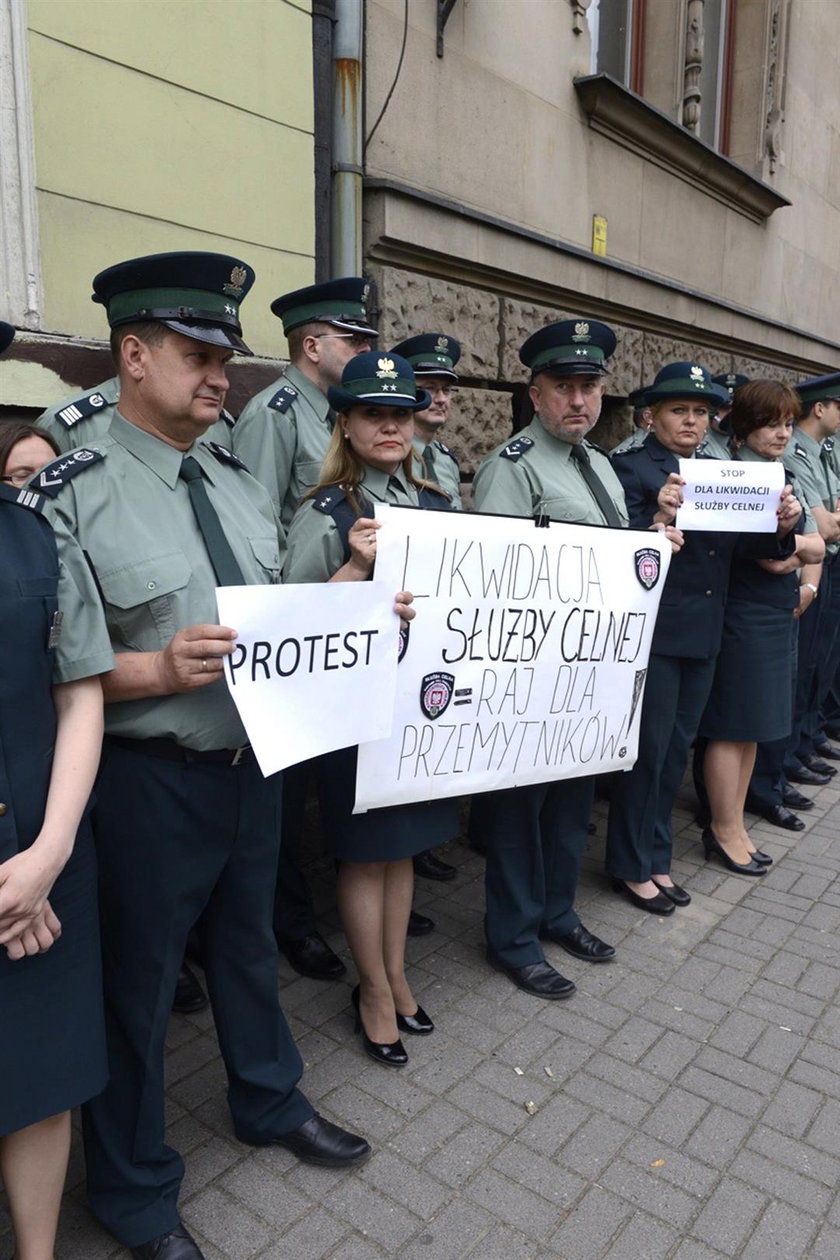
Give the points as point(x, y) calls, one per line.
point(431, 354)
point(569, 347)
point(194, 293)
point(819, 388)
point(378, 379)
point(684, 380)
point(340, 303)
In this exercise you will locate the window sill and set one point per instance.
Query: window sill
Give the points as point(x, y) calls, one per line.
point(614, 111)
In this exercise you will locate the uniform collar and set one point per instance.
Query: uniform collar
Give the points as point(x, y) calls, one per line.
point(749, 456)
point(806, 441)
point(540, 436)
point(309, 390)
point(378, 481)
point(163, 460)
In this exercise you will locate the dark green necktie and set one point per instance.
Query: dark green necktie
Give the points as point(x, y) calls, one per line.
point(228, 572)
point(580, 455)
point(429, 461)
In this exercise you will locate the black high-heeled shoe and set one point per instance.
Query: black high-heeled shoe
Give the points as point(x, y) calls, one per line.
point(763, 859)
point(713, 848)
point(419, 1023)
point(673, 892)
point(389, 1053)
point(660, 904)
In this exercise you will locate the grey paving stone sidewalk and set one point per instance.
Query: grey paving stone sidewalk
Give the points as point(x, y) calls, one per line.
point(683, 1105)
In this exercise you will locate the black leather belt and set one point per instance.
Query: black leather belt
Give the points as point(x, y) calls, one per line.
point(169, 750)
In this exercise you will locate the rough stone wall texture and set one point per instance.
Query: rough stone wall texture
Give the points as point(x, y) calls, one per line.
point(492, 327)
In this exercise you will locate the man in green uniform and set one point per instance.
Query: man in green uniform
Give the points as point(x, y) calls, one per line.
point(186, 826)
point(641, 422)
point(283, 432)
point(433, 357)
point(817, 488)
point(536, 835)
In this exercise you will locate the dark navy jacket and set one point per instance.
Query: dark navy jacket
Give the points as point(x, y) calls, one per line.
point(690, 620)
point(28, 602)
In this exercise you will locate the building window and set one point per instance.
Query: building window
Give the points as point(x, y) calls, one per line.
point(617, 32)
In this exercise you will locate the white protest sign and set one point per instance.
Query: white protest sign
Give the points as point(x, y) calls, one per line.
point(729, 496)
point(314, 666)
point(526, 660)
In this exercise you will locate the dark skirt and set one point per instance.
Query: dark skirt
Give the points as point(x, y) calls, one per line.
point(751, 694)
point(52, 1034)
point(380, 835)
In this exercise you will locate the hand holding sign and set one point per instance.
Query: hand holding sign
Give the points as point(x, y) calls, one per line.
point(731, 497)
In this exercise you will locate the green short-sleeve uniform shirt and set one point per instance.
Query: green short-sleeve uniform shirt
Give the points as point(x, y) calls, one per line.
point(534, 473)
point(282, 436)
point(816, 481)
point(441, 467)
point(132, 515)
point(315, 547)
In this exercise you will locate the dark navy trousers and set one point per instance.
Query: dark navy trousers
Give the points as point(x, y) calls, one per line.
point(177, 843)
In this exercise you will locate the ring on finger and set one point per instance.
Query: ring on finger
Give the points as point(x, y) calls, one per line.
point(204, 666)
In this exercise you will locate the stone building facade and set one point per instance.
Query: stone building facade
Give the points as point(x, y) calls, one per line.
point(706, 133)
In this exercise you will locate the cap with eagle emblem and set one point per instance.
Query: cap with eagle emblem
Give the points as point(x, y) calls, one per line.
point(339, 303)
point(431, 354)
point(384, 380)
point(684, 380)
point(194, 293)
point(569, 347)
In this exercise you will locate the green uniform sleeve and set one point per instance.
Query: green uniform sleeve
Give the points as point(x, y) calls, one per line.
point(84, 646)
point(315, 550)
point(266, 441)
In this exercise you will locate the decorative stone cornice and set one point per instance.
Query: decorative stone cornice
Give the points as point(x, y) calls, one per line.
point(614, 111)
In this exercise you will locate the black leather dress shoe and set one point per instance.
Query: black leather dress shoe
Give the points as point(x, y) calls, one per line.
point(178, 1245)
point(419, 924)
point(581, 943)
point(427, 866)
point(796, 800)
point(808, 777)
point(189, 995)
point(660, 904)
point(819, 766)
point(420, 1024)
point(826, 750)
point(320, 1142)
point(781, 816)
point(674, 893)
point(540, 978)
point(312, 956)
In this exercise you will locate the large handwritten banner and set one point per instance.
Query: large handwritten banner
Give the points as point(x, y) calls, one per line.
point(314, 666)
point(729, 496)
point(526, 660)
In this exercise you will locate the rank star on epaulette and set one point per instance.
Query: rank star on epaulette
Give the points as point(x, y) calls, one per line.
point(283, 399)
point(325, 501)
point(516, 449)
point(225, 456)
point(56, 475)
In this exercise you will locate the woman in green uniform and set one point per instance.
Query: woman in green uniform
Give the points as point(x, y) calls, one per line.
point(333, 539)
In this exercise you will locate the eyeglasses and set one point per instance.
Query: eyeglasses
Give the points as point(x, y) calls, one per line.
point(357, 339)
point(20, 478)
point(446, 390)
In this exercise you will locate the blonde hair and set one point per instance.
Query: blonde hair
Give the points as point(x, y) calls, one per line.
point(343, 467)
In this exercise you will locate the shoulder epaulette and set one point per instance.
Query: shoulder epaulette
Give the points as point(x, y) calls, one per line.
point(283, 399)
point(229, 420)
point(328, 500)
point(517, 448)
point(24, 498)
point(593, 446)
point(441, 446)
point(628, 450)
point(81, 409)
point(52, 479)
point(225, 456)
point(800, 451)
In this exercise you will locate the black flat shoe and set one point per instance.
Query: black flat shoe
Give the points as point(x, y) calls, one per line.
point(713, 848)
point(388, 1053)
point(780, 816)
point(809, 777)
point(321, 1142)
point(796, 800)
point(419, 924)
point(427, 866)
point(189, 995)
point(581, 943)
point(539, 979)
point(419, 1024)
point(311, 956)
point(660, 904)
point(818, 766)
point(179, 1244)
point(674, 893)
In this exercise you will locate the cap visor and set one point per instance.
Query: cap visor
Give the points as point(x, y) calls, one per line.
point(213, 334)
point(346, 325)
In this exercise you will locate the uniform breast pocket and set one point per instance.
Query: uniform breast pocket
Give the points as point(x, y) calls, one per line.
point(307, 472)
point(143, 599)
point(267, 555)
